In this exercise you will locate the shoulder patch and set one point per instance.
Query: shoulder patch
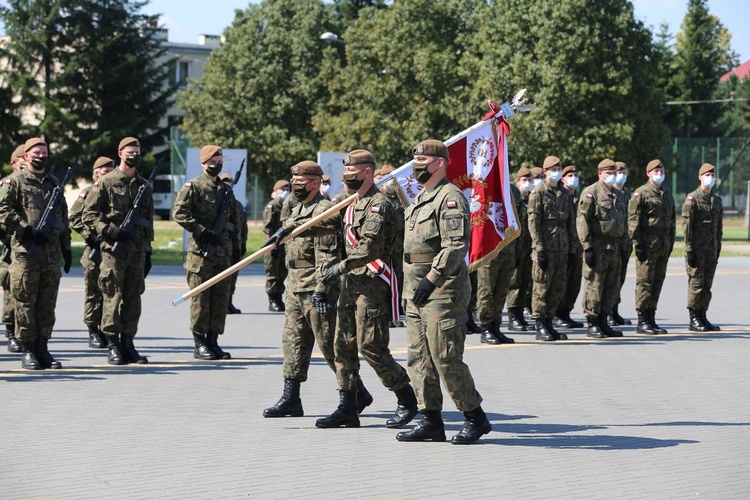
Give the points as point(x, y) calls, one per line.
point(96, 184)
point(589, 195)
point(375, 208)
point(188, 184)
point(636, 195)
point(7, 182)
point(533, 191)
point(689, 198)
point(82, 196)
point(451, 204)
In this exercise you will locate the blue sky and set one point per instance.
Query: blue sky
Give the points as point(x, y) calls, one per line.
point(186, 23)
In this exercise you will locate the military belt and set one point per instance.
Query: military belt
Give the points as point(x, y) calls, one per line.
point(419, 258)
point(300, 264)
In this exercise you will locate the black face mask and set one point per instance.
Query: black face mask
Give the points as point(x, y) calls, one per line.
point(214, 170)
point(300, 191)
point(351, 181)
point(421, 174)
point(40, 162)
point(132, 160)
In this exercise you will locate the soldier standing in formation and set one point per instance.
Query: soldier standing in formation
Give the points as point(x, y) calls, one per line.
point(626, 247)
point(9, 305)
point(123, 271)
point(398, 245)
point(651, 224)
point(369, 232)
point(274, 261)
point(92, 306)
point(437, 296)
point(601, 226)
point(241, 235)
point(702, 216)
point(35, 268)
point(521, 283)
point(562, 317)
point(537, 174)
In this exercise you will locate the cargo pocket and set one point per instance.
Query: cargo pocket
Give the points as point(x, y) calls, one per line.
point(451, 338)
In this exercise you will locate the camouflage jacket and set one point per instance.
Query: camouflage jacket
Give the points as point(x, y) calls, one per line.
point(522, 212)
point(286, 208)
point(601, 219)
point(76, 211)
point(651, 215)
point(272, 216)
point(242, 221)
point(623, 198)
point(398, 212)
point(702, 216)
point(551, 219)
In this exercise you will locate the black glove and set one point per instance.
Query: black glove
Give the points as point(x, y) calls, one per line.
point(422, 292)
point(116, 234)
point(332, 273)
point(640, 252)
point(276, 238)
point(93, 240)
point(320, 302)
point(541, 260)
point(692, 259)
point(572, 258)
point(211, 238)
point(32, 235)
point(68, 259)
point(147, 265)
point(236, 255)
point(589, 257)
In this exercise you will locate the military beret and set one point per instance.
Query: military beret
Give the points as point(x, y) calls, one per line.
point(34, 141)
point(225, 176)
point(326, 178)
point(431, 147)
point(359, 157)
point(569, 169)
point(551, 161)
point(208, 152)
point(307, 167)
point(377, 172)
point(128, 141)
point(706, 167)
point(103, 161)
point(536, 171)
point(523, 172)
point(654, 164)
point(17, 153)
point(606, 164)
point(387, 169)
point(280, 184)
point(621, 166)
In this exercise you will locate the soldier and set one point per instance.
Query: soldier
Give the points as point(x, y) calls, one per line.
point(702, 222)
point(537, 174)
point(242, 235)
point(274, 261)
point(521, 283)
point(123, 271)
point(92, 305)
point(9, 305)
point(437, 298)
point(369, 229)
point(552, 226)
point(623, 196)
point(398, 245)
point(601, 226)
point(562, 317)
point(651, 224)
point(325, 186)
point(35, 268)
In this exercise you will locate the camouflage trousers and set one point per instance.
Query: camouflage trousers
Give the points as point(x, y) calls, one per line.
point(435, 336)
point(34, 287)
point(493, 281)
point(700, 280)
point(521, 283)
point(549, 285)
point(573, 276)
point(92, 304)
point(9, 305)
point(303, 327)
point(122, 284)
point(601, 282)
point(363, 318)
point(625, 252)
point(276, 271)
point(473, 295)
point(650, 276)
point(208, 309)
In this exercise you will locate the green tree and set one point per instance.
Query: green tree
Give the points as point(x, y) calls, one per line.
point(10, 124)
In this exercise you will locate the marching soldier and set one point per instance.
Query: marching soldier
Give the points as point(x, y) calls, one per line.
point(92, 306)
point(702, 222)
point(623, 196)
point(562, 317)
point(274, 261)
point(552, 226)
point(651, 224)
point(9, 305)
point(35, 268)
point(242, 235)
point(123, 271)
point(521, 283)
point(601, 226)
point(368, 277)
point(437, 296)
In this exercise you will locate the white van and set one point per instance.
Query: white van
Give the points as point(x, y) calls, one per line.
point(165, 189)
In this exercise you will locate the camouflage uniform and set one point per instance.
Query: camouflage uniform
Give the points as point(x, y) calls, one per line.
point(286, 209)
point(398, 244)
point(574, 269)
point(196, 208)
point(92, 306)
point(435, 246)
point(242, 236)
point(626, 244)
point(521, 282)
point(702, 222)
point(8, 303)
point(274, 261)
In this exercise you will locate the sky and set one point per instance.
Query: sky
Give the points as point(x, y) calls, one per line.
point(186, 23)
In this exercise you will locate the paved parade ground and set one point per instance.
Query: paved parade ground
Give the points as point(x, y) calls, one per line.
point(638, 417)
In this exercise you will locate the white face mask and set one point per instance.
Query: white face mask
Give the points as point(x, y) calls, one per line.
point(657, 179)
point(709, 181)
point(283, 194)
point(621, 179)
point(537, 181)
point(524, 186)
point(324, 188)
point(555, 175)
point(571, 182)
point(610, 179)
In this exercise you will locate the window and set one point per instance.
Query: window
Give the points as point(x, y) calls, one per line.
point(180, 71)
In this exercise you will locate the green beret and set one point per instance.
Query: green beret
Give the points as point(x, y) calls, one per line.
point(307, 167)
point(621, 166)
point(281, 184)
point(359, 157)
point(431, 147)
point(208, 152)
point(128, 141)
point(103, 161)
point(606, 164)
point(552, 161)
point(706, 167)
point(34, 141)
point(654, 164)
point(523, 172)
point(569, 169)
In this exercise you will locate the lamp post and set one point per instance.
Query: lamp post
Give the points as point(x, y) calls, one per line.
point(338, 43)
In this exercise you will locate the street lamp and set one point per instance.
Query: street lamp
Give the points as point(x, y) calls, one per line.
point(332, 38)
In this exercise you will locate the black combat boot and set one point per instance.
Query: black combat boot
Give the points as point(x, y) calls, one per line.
point(43, 356)
point(345, 415)
point(274, 305)
point(290, 404)
point(406, 409)
point(280, 302)
point(542, 332)
point(130, 352)
point(212, 341)
point(652, 322)
point(14, 345)
point(115, 350)
point(606, 329)
point(614, 318)
point(527, 313)
point(516, 322)
point(202, 351)
point(28, 360)
point(96, 338)
point(562, 320)
point(430, 428)
point(710, 326)
point(570, 322)
point(491, 334)
point(471, 324)
point(364, 398)
point(594, 330)
point(696, 325)
point(232, 310)
point(551, 329)
point(475, 426)
point(644, 324)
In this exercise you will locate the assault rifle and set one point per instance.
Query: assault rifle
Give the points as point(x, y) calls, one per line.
point(49, 221)
point(220, 221)
point(133, 218)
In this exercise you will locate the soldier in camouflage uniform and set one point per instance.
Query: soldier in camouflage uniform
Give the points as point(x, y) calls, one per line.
point(573, 274)
point(552, 227)
point(702, 216)
point(122, 275)
point(537, 174)
point(211, 249)
point(92, 305)
point(35, 268)
point(626, 247)
point(9, 305)
point(601, 226)
point(521, 283)
point(398, 245)
point(369, 229)
point(242, 236)
point(274, 261)
point(437, 298)
point(651, 224)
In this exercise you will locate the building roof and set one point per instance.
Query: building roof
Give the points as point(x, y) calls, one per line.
point(741, 71)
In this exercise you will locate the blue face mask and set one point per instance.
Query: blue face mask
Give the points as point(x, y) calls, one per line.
point(571, 182)
point(610, 179)
point(709, 181)
point(657, 179)
point(621, 179)
point(555, 175)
